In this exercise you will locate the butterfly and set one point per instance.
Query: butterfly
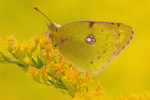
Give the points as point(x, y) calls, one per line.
point(90, 45)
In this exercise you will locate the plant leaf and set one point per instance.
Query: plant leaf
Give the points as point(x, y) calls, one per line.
point(34, 62)
point(40, 63)
point(19, 63)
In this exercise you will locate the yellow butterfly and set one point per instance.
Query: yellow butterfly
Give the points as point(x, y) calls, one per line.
point(89, 45)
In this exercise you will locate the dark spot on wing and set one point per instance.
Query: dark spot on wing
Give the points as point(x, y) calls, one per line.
point(112, 23)
point(104, 51)
point(131, 37)
point(102, 30)
point(63, 40)
point(55, 45)
point(106, 44)
point(118, 24)
point(118, 34)
point(132, 32)
point(123, 47)
point(91, 62)
point(91, 24)
point(98, 57)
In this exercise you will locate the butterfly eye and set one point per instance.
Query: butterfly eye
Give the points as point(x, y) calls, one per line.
point(90, 39)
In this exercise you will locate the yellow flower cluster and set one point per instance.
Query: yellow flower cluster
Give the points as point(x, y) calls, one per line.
point(138, 96)
point(41, 61)
point(90, 95)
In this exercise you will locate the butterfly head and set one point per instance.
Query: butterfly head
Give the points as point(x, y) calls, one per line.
point(53, 26)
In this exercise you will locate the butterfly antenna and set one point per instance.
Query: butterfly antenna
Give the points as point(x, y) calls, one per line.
point(42, 13)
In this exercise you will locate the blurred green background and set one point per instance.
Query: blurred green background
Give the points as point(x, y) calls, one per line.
point(127, 73)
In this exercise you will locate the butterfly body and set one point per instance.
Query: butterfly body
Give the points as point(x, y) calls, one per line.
point(90, 45)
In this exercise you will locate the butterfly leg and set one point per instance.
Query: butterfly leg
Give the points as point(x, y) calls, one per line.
point(48, 62)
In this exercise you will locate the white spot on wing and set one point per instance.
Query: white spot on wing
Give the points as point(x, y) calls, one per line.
point(90, 39)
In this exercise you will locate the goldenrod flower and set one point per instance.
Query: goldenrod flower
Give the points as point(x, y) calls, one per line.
point(44, 72)
point(78, 96)
point(34, 72)
point(37, 40)
point(80, 85)
point(88, 76)
point(41, 61)
point(10, 42)
point(99, 90)
point(11, 39)
point(20, 50)
point(16, 48)
point(137, 96)
point(25, 47)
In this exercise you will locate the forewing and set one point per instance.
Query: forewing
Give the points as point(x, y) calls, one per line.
point(72, 42)
point(125, 34)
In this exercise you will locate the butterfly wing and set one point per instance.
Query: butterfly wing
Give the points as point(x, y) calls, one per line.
point(125, 34)
point(88, 45)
